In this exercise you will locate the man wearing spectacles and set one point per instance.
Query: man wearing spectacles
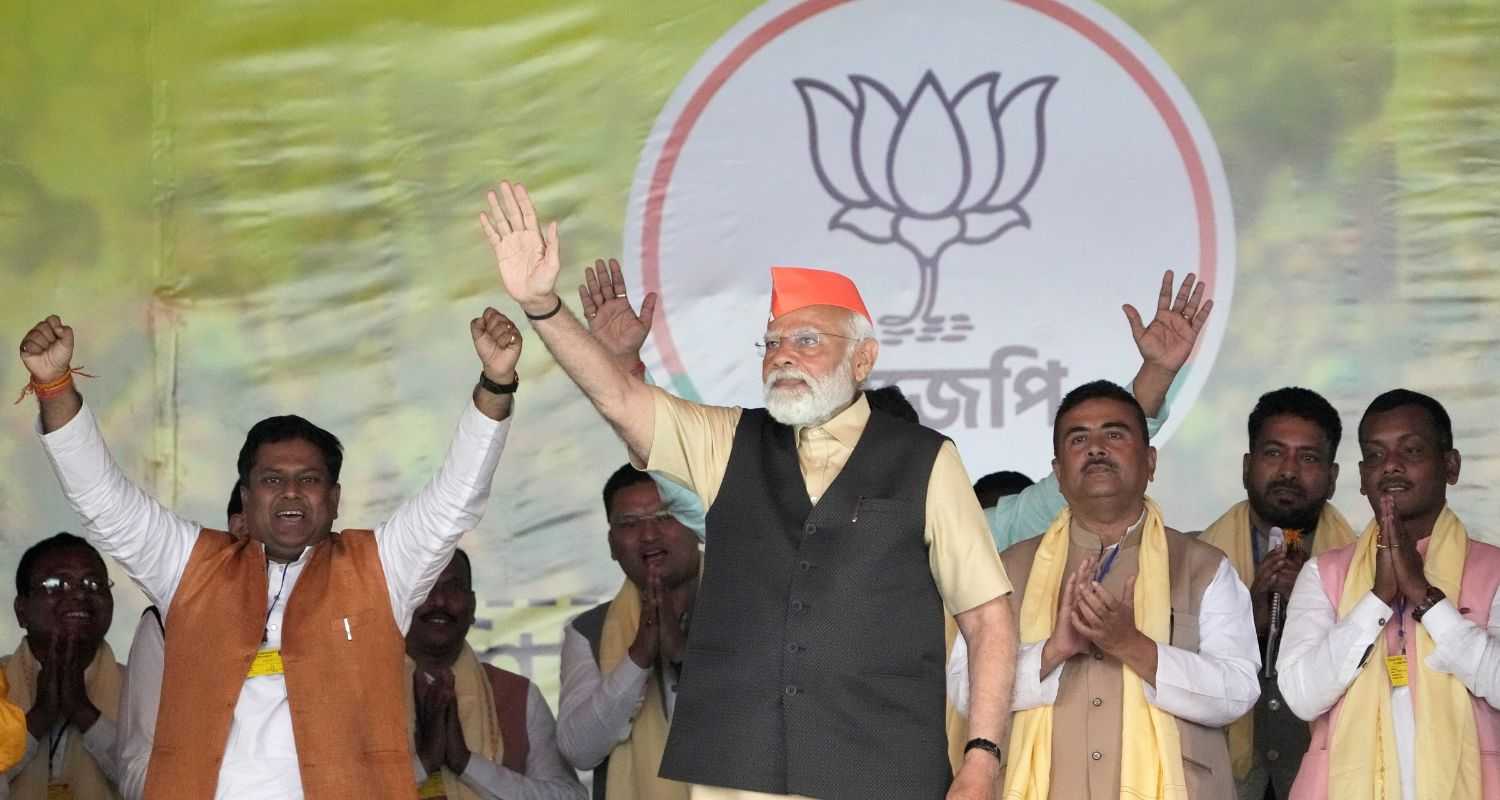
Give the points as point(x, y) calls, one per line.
point(64, 673)
point(837, 539)
point(621, 661)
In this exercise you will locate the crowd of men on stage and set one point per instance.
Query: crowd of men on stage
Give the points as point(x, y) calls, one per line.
point(816, 600)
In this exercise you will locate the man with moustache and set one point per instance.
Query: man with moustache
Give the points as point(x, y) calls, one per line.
point(256, 625)
point(482, 733)
point(1289, 476)
point(1137, 643)
point(64, 673)
point(1392, 645)
point(622, 660)
point(836, 539)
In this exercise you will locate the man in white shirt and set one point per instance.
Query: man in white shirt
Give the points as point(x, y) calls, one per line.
point(233, 736)
point(1103, 649)
point(482, 733)
point(602, 698)
point(1392, 644)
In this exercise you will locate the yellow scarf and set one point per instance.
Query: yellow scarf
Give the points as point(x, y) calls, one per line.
point(1362, 754)
point(476, 715)
point(80, 772)
point(635, 762)
point(1151, 763)
point(1231, 533)
point(12, 728)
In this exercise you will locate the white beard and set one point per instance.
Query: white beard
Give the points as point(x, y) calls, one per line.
point(816, 402)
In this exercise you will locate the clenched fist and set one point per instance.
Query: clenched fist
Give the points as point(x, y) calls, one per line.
point(47, 350)
point(498, 344)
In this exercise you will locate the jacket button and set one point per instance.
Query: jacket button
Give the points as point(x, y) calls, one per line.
point(1273, 704)
point(798, 606)
point(792, 648)
point(1098, 656)
point(791, 691)
point(804, 565)
point(1272, 755)
point(809, 529)
point(1096, 755)
point(1098, 701)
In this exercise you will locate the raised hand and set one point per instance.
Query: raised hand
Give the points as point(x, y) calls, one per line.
point(47, 350)
point(498, 344)
point(612, 322)
point(1168, 341)
point(527, 259)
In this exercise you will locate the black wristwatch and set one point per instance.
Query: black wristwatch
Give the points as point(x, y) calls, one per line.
point(1434, 596)
point(987, 746)
point(498, 388)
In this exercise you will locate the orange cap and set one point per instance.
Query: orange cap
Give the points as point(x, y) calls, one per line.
point(799, 287)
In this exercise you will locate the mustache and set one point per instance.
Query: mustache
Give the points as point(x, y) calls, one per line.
point(1101, 462)
point(787, 373)
point(1285, 484)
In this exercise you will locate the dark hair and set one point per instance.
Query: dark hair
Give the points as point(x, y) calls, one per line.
point(1098, 390)
point(1400, 398)
point(272, 430)
point(236, 503)
point(623, 477)
point(459, 554)
point(59, 541)
point(996, 485)
point(892, 400)
point(1296, 401)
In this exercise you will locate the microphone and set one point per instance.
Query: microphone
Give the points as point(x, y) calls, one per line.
point(1275, 538)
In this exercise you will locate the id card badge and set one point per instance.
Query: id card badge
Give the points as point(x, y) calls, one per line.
point(267, 662)
point(1395, 667)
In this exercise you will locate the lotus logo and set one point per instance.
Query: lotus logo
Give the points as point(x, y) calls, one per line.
point(874, 156)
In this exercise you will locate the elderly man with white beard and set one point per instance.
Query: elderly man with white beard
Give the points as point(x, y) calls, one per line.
point(836, 538)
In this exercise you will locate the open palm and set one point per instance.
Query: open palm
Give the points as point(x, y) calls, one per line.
point(1168, 341)
point(612, 322)
point(526, 256)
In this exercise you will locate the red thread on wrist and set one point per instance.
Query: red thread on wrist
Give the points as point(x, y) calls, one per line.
point(52, 389)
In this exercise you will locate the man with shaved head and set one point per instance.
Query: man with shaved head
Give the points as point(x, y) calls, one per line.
point(836, 538)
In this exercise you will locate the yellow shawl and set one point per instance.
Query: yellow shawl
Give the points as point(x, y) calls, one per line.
point(81, 773)
point(476, 715)
point(635, 762)
point(1362, 754)
point(12, 728)
point(1231, 534)
point(1151, 763)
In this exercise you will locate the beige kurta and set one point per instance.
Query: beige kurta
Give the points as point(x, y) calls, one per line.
point(691, 445)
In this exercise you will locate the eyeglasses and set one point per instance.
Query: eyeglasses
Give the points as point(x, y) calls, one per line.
point(55, 585)
point(633, 521)
point(804, 343)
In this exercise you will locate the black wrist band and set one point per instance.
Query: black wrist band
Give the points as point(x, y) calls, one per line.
point(498, 388)
point(987, 746)
point(548, 315)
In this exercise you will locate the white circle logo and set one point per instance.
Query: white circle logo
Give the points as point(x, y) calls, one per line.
point(997, 177)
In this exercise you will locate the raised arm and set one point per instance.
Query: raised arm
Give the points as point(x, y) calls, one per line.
point(418, 539)
point(1167, 343)
point(528, 262)
point(130, 526)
